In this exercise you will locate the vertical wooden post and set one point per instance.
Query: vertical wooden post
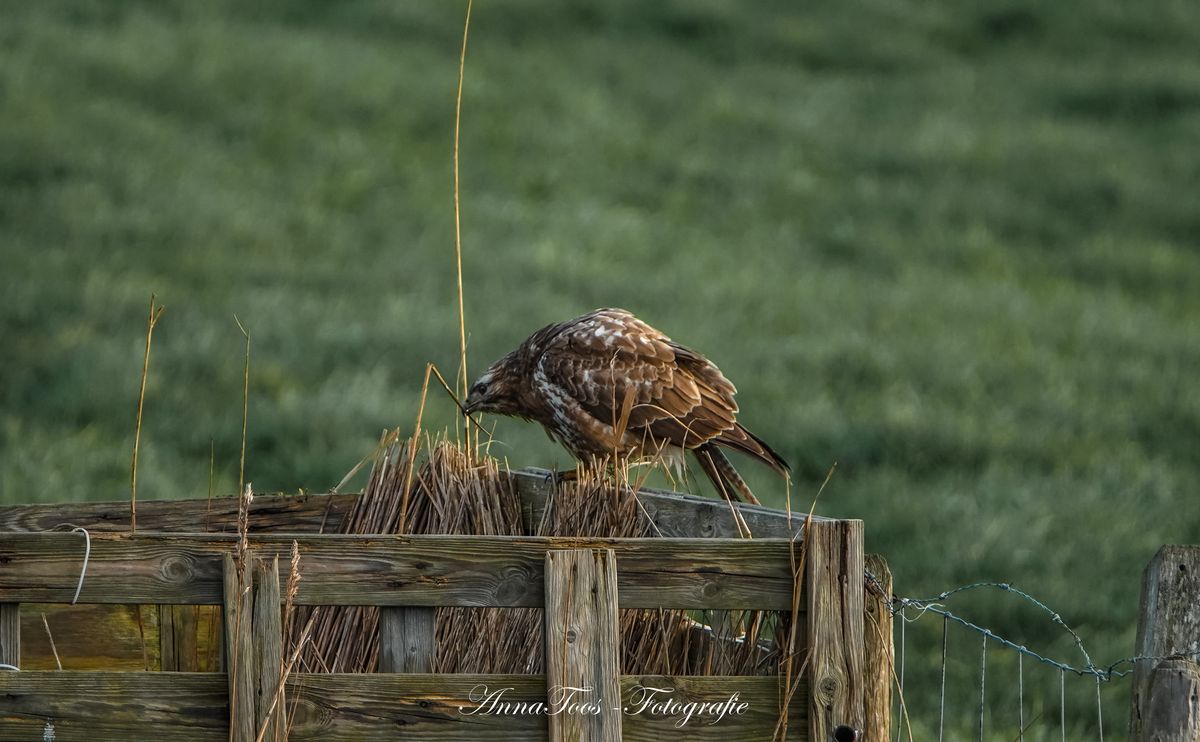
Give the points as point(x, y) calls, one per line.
point(10, 634)
point(879, 654)
point(239, 650)
point(1172, 705)
point(834, 584)
point(268, 651)
point(1166, 695)
point(168, 658)
point(582, 645)
point(177, 637)
point(406, 639)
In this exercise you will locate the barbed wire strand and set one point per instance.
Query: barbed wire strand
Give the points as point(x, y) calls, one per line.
point(899, 606)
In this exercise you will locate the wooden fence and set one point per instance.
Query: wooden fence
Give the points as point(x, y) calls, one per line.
point(579, 582)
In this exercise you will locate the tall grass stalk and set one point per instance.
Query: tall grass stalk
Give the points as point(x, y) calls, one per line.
point(790, 674)
point(155, 312)
point(245, 404)
point(462, 322)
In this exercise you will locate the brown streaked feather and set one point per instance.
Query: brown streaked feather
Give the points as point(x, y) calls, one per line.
point(724, 477)
point(703, 369)
point(602, 357)
point(740, 439)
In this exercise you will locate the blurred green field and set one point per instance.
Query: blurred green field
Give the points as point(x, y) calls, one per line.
point(953, 247)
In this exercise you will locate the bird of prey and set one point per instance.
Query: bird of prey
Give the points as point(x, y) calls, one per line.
point(608, 384)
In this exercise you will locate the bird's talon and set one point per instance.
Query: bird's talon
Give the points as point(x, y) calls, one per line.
point(555, 478)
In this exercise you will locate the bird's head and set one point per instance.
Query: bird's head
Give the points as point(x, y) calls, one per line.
point(497, 389)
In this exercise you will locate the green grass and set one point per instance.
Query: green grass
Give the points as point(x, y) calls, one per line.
point(953, 247)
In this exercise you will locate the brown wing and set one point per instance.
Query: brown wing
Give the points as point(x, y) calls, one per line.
point(606, 358)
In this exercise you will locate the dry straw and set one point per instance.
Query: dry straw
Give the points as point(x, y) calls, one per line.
point(454, 493)
point(245, 404)
point(156, 311)
point(462, 320)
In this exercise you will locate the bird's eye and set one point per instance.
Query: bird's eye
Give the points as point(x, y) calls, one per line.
point(479, 388)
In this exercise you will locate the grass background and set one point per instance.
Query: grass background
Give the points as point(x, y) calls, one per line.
point(954, 247)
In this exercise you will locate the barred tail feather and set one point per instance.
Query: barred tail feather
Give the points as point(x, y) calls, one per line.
point(740, 439)
point(725, 478)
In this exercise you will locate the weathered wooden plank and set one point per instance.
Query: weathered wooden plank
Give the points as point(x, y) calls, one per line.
point(582, 645)
point(238, 583)
point(740, 709)
point(386, 706)
point(168, 652)
point(178, 637)
point(88, 637)
point(452, 707)
point(406, 639)
point(110, 706)
point(878, 657)
point(121, 706)
point(10, 634)
point(397, 570)
point(269, 714)
point(673, 514)
point(268, 514)
point(1172, 710)
point(1168, 624)
point(101, 636)
point(834, 587)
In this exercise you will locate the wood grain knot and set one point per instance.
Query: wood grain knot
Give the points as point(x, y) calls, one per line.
point(828, 687)
point(178, 569)
point(516, 584)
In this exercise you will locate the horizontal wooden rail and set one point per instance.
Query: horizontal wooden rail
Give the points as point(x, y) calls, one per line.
point(502, 571)
point(268, 514)
point(672, 513)
point(105, 706)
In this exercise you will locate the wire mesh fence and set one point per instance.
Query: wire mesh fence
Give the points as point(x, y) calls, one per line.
point(958, 679)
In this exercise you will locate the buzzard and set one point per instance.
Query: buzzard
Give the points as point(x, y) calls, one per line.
point(608, 384)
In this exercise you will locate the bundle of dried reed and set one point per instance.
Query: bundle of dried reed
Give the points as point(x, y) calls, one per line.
point(346, 638)
point(454, 492)
point(671, 642)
